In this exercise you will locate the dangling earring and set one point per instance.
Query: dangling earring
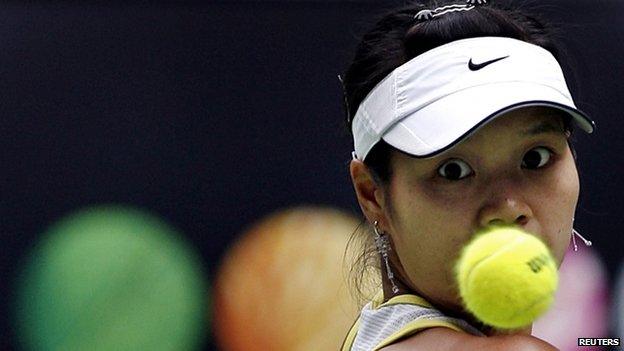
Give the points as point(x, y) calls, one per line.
point(574, 234)
point(383, 246)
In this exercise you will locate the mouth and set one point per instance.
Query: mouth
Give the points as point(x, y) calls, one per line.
point(498, 225)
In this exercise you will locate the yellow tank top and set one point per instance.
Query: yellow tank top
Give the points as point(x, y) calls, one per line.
point(382, 324)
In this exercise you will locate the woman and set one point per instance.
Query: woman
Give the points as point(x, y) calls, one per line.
point(461, 118)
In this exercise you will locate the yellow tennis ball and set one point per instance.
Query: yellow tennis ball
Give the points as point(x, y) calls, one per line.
point(507, 277)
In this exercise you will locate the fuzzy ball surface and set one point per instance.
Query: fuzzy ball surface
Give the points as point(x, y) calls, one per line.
point(507, 277)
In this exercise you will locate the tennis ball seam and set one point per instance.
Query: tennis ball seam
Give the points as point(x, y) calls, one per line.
point(529, 307)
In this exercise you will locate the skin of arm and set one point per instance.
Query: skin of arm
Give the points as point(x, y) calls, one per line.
point(442, 339)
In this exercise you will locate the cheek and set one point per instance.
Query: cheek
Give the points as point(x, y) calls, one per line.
point(561, 190)
point(428, 232)
point(556, 210)
point(423, 215)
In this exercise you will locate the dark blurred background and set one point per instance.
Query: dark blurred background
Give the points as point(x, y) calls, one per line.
point(214, 114)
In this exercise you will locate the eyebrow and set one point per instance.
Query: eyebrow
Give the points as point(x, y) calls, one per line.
point(543, 127)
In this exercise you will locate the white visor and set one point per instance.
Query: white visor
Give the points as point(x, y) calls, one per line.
point(440, 97)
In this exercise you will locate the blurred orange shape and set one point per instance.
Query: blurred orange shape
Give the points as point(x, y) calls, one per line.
point(282, 285)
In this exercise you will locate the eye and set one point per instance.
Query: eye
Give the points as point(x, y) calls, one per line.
point(454, 169)
point(536, 158)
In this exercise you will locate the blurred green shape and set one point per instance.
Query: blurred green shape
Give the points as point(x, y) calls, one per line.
point(111, 278)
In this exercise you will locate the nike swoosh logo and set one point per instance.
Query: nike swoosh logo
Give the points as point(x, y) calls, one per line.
point(477, 66)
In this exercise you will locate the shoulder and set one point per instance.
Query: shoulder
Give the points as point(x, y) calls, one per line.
point(448, 339)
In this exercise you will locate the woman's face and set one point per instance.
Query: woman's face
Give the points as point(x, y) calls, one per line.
point(516, 169)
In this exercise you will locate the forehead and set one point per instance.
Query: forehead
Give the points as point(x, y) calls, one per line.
point(518, 124)
point(528, 120)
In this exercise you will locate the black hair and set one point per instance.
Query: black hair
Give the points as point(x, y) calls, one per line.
point(398, 37)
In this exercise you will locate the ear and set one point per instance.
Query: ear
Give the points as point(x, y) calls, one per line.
point(370, 195)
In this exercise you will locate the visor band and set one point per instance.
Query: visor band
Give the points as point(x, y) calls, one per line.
point(429, 102)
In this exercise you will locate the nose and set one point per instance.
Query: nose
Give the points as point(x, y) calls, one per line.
point(508, 210)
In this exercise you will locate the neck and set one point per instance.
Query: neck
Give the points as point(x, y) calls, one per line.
point(485, 329)
point(454, 311)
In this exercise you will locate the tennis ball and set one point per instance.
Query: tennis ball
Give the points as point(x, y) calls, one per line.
point(111, 278)
point(507, 277)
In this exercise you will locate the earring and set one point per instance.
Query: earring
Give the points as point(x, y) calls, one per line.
point(383, 247)
point(574, 234)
